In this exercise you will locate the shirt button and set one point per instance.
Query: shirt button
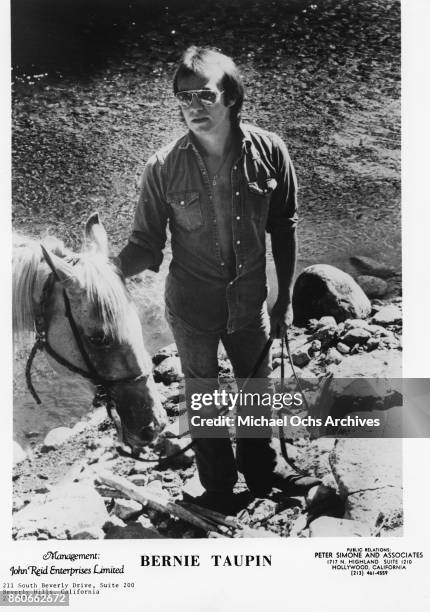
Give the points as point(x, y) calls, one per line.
point(238, 217)
point(237, 193)
point(182, 202)
point(214, 220)
point(234, 167)
point(222, 263)
point(237, 241)
point(240, 265)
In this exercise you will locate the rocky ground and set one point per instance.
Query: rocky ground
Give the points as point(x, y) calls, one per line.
point(92, 101)
point(56, 493)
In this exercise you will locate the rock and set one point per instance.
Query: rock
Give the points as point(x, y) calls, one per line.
point(79, 427)
point(330, 527)
point(354, 323)
point(18, 504)
point(326, 335)
point(172, 393)
point(140, 480)
point(133, 531)
point(168, 351)
point(315, 346)
point(375, 365)
point(342, 348)
point(261, 510)
point(388, 315)
point(300, 357)
point(333, 356)
point(193, 488)
point(326, 322)
point(126, 509)
point(174, 445)
point(299, 526)
point(113, 521)
point(98, 416)
point(369, 476)
point(322, 290)
point(372, 286)
point(312, 324)
point(372, 344)
point(65, 512)
point(55, 438)
point(358, 335)
point(168, 371)
point(19, 453)
point(321, 500)
point(362, 382)
point(367, 265)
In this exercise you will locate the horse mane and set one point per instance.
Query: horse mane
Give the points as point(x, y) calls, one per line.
point(106, 290)
point(100, 279)
point(28, 272)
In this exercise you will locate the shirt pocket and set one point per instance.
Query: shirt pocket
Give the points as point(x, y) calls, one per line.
point(259, 196)
point(186, 208)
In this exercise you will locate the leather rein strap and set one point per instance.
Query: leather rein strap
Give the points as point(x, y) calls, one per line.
point(104, 384)
point(42, 343)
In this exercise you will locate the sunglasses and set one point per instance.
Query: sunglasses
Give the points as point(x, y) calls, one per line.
point(207, 97)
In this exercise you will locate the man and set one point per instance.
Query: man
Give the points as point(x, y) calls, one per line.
point(221, 187)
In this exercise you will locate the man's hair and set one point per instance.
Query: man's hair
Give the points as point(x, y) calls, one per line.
point(203, 61)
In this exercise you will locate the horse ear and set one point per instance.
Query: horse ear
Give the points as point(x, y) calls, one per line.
point(62, 270)
point(95, 234)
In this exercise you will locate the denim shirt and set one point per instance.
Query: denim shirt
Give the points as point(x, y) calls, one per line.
point(176, 189)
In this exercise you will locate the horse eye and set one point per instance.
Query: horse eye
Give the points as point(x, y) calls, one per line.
point(100, 339)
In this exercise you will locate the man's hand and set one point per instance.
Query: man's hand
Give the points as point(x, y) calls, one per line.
point(281, 318)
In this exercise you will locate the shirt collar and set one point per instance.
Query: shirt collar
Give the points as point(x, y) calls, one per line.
point(187, 139)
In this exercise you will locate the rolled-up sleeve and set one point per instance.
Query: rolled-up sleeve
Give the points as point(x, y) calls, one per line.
point(150, 219)
point(283, 215)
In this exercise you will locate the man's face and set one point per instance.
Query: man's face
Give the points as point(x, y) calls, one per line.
point(203, 119)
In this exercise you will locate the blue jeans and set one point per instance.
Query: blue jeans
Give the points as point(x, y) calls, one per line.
point(198, 352)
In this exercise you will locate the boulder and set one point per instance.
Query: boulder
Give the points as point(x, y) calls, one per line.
point(368, 473)
point(372, 286)
point(55, 438)
point(330, 527)
point(168, 371)
point(19, 453)
point(323, 290)
point(367, 265)
point(66, 512)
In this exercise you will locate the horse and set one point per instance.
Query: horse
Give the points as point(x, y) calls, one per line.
point(82, 315)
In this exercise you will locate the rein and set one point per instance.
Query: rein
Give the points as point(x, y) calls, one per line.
point(42, 344)
point(103, 385)
point(262, 356)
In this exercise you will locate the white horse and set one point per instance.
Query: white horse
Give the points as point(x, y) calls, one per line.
point(80, 310)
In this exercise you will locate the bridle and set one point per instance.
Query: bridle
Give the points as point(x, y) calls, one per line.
point(103, 385)
point(103, 395)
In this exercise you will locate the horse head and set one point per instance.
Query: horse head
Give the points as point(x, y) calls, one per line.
point(91, 327)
